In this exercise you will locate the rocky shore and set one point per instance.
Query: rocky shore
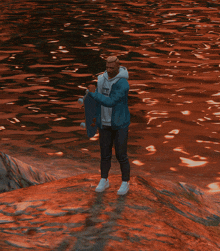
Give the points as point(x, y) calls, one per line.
point(67, 214)
point(16, 174)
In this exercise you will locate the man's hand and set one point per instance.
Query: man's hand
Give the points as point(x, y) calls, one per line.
point(92, 88)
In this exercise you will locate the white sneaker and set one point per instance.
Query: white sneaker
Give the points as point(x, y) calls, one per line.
point(124, 188)
point(103, 184)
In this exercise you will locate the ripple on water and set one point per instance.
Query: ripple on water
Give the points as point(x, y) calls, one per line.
point(50, 53)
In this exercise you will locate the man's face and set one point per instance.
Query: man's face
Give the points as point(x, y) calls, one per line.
point(112, 69)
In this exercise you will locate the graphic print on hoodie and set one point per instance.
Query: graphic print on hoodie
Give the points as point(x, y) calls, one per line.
point(106, 86)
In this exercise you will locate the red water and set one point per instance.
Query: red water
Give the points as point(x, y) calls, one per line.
point(50, 52)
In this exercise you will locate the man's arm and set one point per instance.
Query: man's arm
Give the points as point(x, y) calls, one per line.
point(116, 95)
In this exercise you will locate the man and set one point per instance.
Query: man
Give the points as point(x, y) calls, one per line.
point(112, 119)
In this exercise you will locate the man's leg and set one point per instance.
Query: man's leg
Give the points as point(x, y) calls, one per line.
point(106, 143)
point(121, 138)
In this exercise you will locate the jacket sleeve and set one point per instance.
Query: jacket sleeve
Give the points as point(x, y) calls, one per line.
point(115, 97)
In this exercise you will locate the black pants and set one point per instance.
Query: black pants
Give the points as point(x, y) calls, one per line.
point(107, 137)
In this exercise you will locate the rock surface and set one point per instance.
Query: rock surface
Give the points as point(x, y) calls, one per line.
point(16, 174)
point(67, 214)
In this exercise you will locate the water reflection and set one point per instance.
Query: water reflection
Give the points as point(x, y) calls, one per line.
point(192, 163)
point(50, 53)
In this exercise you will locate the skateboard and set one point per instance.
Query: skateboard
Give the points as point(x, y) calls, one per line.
point(90, 111)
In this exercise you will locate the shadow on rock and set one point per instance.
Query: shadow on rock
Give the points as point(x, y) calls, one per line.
point(68, 215)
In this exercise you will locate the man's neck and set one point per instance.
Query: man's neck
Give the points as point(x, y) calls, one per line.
point(112, 77)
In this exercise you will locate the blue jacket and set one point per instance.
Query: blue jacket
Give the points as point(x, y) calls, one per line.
point(118, 100)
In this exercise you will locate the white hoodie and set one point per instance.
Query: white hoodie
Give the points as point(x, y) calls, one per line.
point(104, 86)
